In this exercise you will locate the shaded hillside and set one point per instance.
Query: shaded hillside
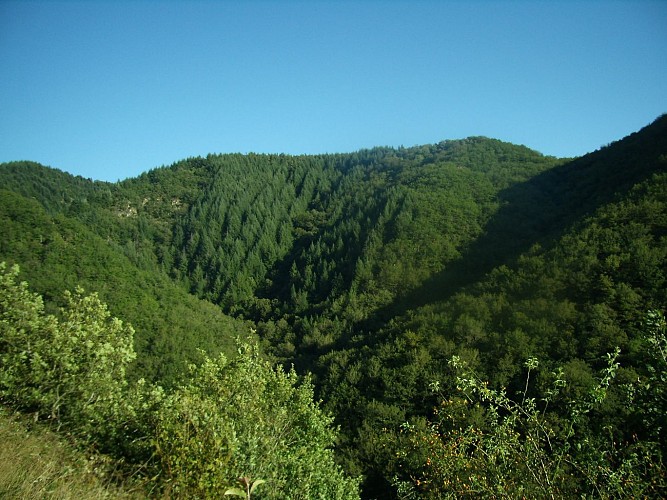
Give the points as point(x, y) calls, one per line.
point(57, 191)
point(539, 210)
point(561, 273)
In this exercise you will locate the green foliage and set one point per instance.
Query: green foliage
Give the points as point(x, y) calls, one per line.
point(232, 419)
point(249, 487)
point(243, 418)
point(518, 448)
point(372, 270)
point(57, 254)
point(70, 369)
point(650, 396)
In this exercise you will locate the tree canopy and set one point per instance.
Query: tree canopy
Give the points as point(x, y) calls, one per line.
point(368, 273)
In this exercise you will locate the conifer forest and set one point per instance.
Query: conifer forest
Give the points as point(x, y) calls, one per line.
point(466, 319)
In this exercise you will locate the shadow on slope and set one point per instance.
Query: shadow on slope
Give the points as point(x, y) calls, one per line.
point(540, 210)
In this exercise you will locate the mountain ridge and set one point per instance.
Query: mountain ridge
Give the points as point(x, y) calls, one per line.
point(369, 269)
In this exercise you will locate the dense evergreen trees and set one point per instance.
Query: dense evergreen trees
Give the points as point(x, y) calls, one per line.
point(58, 253)
point(371, 270)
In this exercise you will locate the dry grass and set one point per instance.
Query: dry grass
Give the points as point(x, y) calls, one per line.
point(37, 464)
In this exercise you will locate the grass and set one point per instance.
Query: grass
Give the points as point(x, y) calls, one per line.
point(35, 463)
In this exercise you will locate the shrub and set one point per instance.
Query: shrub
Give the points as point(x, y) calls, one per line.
point(70, 370)
point(245, 419)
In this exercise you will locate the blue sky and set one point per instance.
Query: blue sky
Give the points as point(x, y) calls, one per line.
point(108, 90)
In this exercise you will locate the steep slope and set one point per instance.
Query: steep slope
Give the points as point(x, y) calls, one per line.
point(372, 269)
point(36, 463)
point(564, 271)
point(57, 253)
point(539, 210)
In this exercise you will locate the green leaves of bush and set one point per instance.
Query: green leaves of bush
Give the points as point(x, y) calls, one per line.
point(70, 369)
point(244, 418)
point(518, 449)
point(233, 418)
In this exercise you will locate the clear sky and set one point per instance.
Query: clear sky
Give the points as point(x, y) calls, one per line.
point(108, 90)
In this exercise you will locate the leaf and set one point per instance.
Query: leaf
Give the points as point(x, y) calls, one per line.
point(236, 491)
point(256, 483)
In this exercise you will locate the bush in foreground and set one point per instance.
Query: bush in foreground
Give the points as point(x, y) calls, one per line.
point(239, 418)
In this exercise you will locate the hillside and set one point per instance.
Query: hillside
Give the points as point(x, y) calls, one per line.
point(371, 270)
point(36, 463)
point(58, 253)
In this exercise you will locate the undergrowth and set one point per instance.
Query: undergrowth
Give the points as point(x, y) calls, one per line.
point(37, 464)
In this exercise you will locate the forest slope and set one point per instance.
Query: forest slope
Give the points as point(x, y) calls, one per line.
point(372, 270)
point(57, 253)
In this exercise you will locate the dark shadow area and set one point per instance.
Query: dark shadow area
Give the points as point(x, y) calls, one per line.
point(539, 211)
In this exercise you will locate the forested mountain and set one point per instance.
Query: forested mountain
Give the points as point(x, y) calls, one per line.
point(373, 271)
point(58, 253)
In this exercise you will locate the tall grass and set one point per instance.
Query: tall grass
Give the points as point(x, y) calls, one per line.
point(37, 464)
